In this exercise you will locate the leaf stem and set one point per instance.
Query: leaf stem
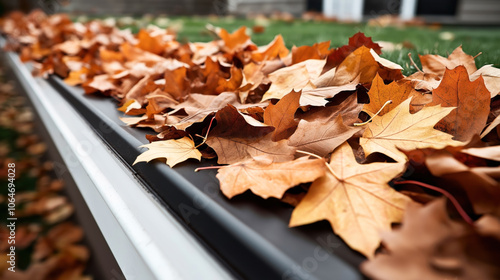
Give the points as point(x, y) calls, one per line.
point(453, 200)
point(316, 156)
point(207, 168)
point(413, 63)
point(376, 114)
point(206, 135)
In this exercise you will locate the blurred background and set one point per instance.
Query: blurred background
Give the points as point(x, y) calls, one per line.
point(444, 11)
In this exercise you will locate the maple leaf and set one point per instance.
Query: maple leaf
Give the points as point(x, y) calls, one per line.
point(321, 138)
point(233, 149)
point(282, 116)
point(355, 199)
point(491, 76)
point(238, 137)
point(237, 39)
point(471, 99)
point(380, 93)
point(398, 129)
point(174, 151)
point(440, 248)
point(266, 178)
point(437, 64)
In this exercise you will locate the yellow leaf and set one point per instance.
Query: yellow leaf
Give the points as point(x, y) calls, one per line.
point(355, 199)
point(398, 129)
point(174, 151)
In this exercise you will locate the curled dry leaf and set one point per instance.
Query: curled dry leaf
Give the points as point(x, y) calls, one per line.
point(318, 96)
point(132, 107)
point(238, 137)
point(365, 63)
point(297, 77)
point(436, 64)
point(174, 151)
point(491, 76)
point(349, 109)
point(338, 55)
point(266, 178)
point(423, 81)
point(321, 138)
point(440, 248)
point(482, 190)
point(491, 152)
point(356, 200)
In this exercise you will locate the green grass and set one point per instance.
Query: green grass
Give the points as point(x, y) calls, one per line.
point(426, 40)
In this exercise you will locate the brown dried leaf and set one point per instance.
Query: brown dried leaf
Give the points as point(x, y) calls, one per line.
point(316, 51)
point(472, 102)
point(321, 138)
point(282, 116)
point(491, 76)
point(267, 179)
point(380, 93)
point(365, 63)
point(297, 77)
point(436, 64)
point(440, 248)
point(237, 137)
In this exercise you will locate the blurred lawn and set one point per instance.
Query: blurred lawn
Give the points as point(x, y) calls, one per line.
point(425, 39)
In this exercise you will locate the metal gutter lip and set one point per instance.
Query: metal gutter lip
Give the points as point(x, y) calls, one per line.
point(147, 241)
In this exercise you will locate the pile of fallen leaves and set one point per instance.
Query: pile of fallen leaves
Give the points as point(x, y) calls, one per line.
point(47, 242)
point(340, 133)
